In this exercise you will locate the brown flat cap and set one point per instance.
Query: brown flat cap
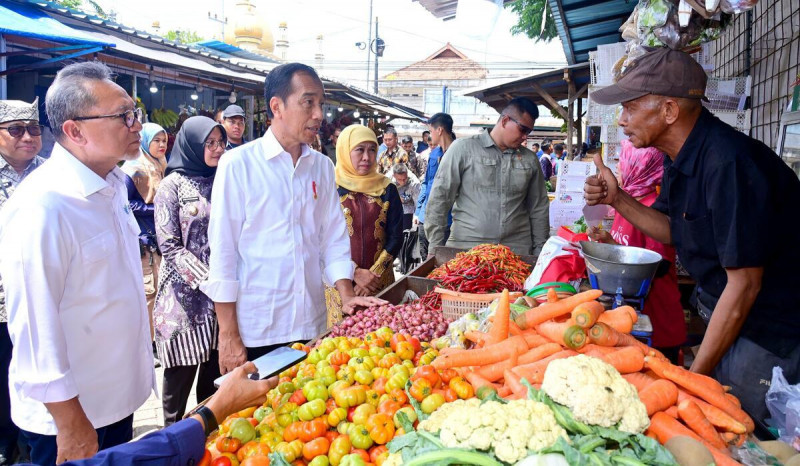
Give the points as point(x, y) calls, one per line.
point(662, 71)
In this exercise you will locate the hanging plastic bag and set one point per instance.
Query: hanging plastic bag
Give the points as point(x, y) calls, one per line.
point(559, 261)
point(783, 402)
point(737, 6)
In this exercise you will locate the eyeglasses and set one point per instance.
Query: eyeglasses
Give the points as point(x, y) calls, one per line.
point(129, 118)
point(525, 130)
point(17, 131)
point(214, 144)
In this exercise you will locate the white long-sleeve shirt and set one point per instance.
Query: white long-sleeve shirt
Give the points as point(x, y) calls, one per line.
point(69, 258)
point(276, 231)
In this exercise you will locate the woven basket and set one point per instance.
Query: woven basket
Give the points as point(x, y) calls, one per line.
point(455, 304)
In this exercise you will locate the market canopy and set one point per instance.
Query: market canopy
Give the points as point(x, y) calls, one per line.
point(28, 21)
point(582, 25)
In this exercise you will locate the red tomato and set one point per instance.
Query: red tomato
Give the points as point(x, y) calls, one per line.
point(221, 461)
point(362, 453)
point(206, 459)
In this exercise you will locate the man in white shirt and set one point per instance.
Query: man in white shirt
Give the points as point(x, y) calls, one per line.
point(277, 230)
point(69, 258)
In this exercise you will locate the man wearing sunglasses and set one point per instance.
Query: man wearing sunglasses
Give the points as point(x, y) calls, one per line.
point(20, 143)
point(69, 258)
point(495, 187)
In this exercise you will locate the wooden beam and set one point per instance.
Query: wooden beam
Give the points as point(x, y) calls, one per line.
point(550, 100)
point(580, 126)
point(579, 93)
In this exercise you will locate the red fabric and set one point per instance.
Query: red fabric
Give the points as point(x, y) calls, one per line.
point(565, 268)
point(663, 304)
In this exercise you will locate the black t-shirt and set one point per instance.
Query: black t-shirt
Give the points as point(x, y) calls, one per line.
point(732, 202)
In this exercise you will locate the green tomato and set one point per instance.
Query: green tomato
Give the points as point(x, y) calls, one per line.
point(314, 356)
point(326, 375)
point(324, 352)
point(385, 333)
point(410, 414)
point(321, 460)
point(400, 369)
point(359, 353)
point(328, 344)
point(286, 387)
point(300, 382)
point(364, 377)
point(243, 430)
point(432, 402)
point(315, 390)
point(311, 409)
point(262, 430)
point(377, 351)
point(352, 459)
point(261, 413)
point(359, 437)
point(323, 363)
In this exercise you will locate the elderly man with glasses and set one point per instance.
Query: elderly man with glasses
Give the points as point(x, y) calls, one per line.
point(69, 257)
point(495, 187)
point(20, 143)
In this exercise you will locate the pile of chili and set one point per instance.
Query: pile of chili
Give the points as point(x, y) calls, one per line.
point(486, 268)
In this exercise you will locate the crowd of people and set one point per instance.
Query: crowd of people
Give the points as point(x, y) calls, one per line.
point(225, 249)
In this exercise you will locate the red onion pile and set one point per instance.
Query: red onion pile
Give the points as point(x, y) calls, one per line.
point(414, 319)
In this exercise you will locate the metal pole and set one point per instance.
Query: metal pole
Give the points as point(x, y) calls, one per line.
point(369, 41)
point(376, 54)
point(3, 64)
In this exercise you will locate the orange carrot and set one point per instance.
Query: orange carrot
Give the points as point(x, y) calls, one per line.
point(665, 428)
point(640, 380)
point(590, 348)
point(548, 311)
point(499, 330)
point(476, 380)
point(702, 386)
point(486, 355)
point(450, 350)
point(619, 319)
point(605, 335)
point(534, 372)
point(690, 414)
point(716, 416)
point(733, 439)
point(552, 296)
point(733, 399)
point(586, 314)
point(658, 396)
point(514, 360)
point(517, 396)
point(494, 372)
point(672, 412)
point(513, 328)
point(476, 336)
point(563, 333)
point(626, 360)
point(533, 339)
point(514, 382)
point(503, 391)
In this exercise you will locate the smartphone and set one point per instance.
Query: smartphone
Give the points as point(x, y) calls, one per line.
point(272, 363)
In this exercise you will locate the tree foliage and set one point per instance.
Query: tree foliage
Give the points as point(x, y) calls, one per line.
point(78, 5)
point(535, 19)
point(184, 37)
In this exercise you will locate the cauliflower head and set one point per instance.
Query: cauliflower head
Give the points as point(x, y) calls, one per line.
point(510, 430)
point(596, 393)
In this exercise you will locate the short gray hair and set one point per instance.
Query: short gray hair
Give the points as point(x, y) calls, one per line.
point(399, 169)
point(69, 96)
point(390, 130)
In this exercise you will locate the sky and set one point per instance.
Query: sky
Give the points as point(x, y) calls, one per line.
point(410, 32)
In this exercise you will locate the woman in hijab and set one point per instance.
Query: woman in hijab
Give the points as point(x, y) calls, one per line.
point(373, 212)
point(144, 176)
point(185, 323)
point(641, 171)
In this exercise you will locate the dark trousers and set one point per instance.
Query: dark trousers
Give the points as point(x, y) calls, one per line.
point(9, 433)
point(408, 220)
point(178, 383)
point(44, 450)
point(423, 241)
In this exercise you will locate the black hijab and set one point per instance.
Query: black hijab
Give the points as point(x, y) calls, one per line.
point(188, 152)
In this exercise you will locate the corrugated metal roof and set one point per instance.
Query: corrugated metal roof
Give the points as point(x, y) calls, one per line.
point(444, 9)
point(584, 24)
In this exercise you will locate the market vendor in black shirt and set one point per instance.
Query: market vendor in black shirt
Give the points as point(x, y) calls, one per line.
point(727, 203)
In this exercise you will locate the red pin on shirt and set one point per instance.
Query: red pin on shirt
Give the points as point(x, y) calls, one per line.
point(314, 189)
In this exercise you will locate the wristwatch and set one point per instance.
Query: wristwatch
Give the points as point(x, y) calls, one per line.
point(209, 419)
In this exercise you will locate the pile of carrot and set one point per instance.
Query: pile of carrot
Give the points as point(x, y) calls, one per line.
point(679, 402)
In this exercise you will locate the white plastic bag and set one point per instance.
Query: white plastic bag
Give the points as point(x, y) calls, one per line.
point(783, 402)
point(555, 246)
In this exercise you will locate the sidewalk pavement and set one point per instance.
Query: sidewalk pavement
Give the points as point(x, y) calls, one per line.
point(149, 416)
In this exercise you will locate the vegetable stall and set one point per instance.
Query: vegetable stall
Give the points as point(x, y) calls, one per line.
point(516, 382)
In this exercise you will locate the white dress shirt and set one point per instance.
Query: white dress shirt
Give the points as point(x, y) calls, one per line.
point(69, 257)
point(276, 230)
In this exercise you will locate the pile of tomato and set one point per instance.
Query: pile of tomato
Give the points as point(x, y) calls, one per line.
point(340, 406)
